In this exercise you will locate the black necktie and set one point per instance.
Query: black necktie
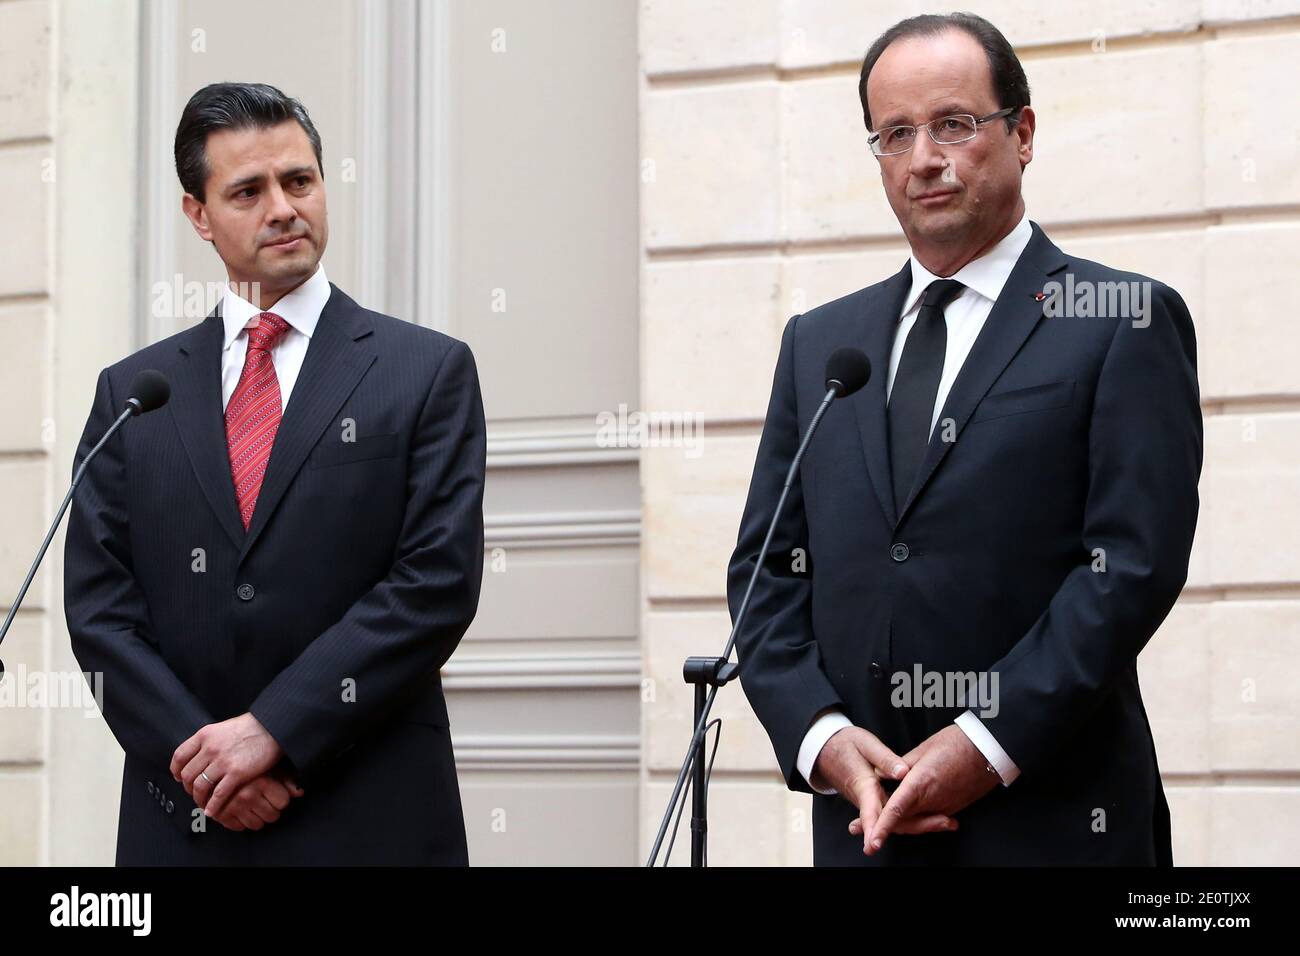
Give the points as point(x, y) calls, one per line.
point(916, 383)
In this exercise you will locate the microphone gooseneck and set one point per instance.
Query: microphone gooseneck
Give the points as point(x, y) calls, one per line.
point(149, 390)
point(847, 370)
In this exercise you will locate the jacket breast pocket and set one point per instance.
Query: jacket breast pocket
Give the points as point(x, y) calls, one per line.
point(339, 452)
point(1034, 398)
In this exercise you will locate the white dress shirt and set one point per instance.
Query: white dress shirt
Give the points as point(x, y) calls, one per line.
point(301, 308)
point(964, 316)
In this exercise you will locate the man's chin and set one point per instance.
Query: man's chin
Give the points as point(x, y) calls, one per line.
point(938, 225)
point(278, 267)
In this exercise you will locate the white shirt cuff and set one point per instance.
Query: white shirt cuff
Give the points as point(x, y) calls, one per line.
point(823, 728)
point(988, 745)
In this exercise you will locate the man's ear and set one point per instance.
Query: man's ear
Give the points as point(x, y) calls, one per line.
point(197, 214)
point(1025, 131)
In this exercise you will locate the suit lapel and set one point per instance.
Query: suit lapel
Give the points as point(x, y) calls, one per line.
point(196, 408)
point(881, 314)
point(1014, 316)
point(336, 359)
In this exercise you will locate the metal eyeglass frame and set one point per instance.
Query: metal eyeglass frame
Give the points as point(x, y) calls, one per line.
point(874, 139)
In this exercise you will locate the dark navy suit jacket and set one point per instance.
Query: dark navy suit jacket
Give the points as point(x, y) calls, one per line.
point(329, 619)
point(1071, 435)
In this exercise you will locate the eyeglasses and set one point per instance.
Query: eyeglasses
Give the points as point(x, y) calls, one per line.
point(946, 130)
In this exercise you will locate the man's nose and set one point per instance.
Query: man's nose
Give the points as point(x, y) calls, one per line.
point(926, 157)
point(280, 209)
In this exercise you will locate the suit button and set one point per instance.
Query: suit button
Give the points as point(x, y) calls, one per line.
point(876, 670)
point(245, 592)
point(899, 552)
point(170, 806)
point(151, 788)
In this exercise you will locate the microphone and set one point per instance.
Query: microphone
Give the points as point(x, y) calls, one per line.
point(847, 370)
point(149, 390)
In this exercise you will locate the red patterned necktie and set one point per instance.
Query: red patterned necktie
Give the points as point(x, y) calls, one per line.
point(253, 414)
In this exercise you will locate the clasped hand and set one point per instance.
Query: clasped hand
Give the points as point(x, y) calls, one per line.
point(941, 776)
point(232, 769)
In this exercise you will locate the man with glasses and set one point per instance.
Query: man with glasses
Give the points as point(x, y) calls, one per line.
point(993, 527)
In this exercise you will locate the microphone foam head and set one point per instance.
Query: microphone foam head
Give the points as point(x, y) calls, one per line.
point(149, 390)
point(847, 370)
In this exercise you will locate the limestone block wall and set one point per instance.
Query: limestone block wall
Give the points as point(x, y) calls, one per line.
point(26, 320)
point(67, 220)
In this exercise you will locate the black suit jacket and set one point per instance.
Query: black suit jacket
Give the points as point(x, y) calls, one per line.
point(1071, 434)
point(329, 619)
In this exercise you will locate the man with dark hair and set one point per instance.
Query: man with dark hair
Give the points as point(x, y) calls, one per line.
point(270, 572)
point(994, 526)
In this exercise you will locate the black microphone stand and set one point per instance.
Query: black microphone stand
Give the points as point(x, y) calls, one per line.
point(714, 672)
point(133, 407)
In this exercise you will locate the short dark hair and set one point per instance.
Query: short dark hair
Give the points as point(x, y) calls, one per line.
point(1009, 83)
point(221, 106)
